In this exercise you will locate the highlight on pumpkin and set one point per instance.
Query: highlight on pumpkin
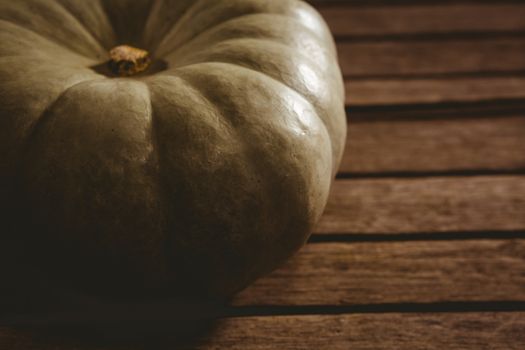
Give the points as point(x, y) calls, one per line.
point(127, 60)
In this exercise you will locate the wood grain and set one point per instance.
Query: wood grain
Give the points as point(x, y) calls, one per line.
point(395, 272)
point(416, 205)
point(418, 331)
point(437, 331)
point(448, 145)
point(404, 92)
point(390, 331)
point(415, 19)
point(424, 57)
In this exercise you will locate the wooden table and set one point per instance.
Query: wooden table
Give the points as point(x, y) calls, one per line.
point(422, 245)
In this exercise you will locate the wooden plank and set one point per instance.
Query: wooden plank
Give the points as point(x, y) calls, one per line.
point(387, 331)
point(482, 330)
point(425, 57)
point(395, 272)
point(415, 19)
point(384, 331)
point(449, 145)
point(402, 92)
point(391, 205)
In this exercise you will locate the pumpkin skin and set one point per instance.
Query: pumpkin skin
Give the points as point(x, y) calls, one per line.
point(197, 178)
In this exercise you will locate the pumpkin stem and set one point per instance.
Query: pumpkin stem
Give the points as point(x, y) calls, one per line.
point(126, 60)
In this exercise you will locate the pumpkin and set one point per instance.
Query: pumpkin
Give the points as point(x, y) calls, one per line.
point(197, 175)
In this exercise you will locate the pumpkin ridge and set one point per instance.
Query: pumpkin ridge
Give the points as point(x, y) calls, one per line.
point(236, 16)
point(264, 40)
point(34, 130)
point(187, 14)
point(148, 18)
point(316, 107)
point(37, 125)
point(49, 40)
point(82, 26)
point(53, 39)
point(160, 182)
point(108, 19)
point(45, 60)
point(230, 20)
point(270, 42)
point(177, 264)
point(238, 65)
point(262, 266)
point(127, 18)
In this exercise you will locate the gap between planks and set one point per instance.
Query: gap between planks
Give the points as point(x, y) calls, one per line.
point(173, 313)
point(420, 236)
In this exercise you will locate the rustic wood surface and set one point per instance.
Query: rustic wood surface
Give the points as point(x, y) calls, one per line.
point(395, 272)
point(442, 145)
point(433, 91)
point(417, 19)
point(422, 245)
point(423, 57)
point(432, 331)
point(392, 331)
point(432, 204)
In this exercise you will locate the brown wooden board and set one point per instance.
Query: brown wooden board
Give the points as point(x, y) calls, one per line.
point(395, 272)
point(432, 57)
point(482, 330)
point(406, 92)
point(448, 145)
point(415, 205)
point(391, 331)
point(421, 18)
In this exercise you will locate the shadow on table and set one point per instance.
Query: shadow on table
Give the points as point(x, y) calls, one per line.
point(139, 326)
point(36, 314)
point(138, 335)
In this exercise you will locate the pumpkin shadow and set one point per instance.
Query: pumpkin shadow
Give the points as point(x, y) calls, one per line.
point(173, 324)
point(173, 335)
point(38, 315)
point(37, 312)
